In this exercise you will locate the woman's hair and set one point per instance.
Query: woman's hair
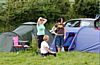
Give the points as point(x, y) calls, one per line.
point(61, 19)
point(40, 19)
point(46, 37)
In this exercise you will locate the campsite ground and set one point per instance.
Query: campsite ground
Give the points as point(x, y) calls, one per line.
point(63, 58)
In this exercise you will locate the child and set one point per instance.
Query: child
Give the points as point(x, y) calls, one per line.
point(45, 47)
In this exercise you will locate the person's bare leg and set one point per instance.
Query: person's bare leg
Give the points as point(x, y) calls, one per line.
point(59, 49)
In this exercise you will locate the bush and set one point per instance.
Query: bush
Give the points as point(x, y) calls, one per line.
point(87, 8)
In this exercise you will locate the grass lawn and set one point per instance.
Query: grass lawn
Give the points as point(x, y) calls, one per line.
point(63, 58)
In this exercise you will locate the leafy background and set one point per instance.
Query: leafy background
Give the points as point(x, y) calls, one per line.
point(15, 12)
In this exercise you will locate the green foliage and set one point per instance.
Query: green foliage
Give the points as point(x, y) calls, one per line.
point(33, 46)
point(19, 11)
point(88, 8)
point(15, 12)
point(64, 58)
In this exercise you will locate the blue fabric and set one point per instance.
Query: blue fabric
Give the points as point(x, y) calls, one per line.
point(84, 41)
point(53, 45)
point(88, 41)
point(68, 41)
point(59, 40)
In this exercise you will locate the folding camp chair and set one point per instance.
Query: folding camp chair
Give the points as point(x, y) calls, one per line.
point(17, 47)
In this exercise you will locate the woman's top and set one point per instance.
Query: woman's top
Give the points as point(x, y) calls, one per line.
point(60, 29)
point(40, 29)
point(43, 45)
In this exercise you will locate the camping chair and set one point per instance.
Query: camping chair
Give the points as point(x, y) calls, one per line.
point(18, 46)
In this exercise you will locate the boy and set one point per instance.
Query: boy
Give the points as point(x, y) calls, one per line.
point(45, 47)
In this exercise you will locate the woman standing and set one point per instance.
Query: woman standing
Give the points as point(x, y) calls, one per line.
point(60, 33)
point(40, 30)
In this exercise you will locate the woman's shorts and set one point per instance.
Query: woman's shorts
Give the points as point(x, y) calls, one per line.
point(59, 41)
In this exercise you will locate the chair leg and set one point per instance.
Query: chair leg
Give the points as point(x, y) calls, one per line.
point(14, 49)
point(25, 48)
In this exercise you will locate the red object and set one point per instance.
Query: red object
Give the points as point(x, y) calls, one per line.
point(97, 28)
point(5, 45)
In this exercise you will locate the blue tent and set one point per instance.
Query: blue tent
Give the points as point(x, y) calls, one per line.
point(87, 39)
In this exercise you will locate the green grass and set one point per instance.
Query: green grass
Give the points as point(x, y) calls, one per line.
point(63, 58)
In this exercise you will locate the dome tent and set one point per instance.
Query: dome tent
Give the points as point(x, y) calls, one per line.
point(25, 33)
point(6, 42)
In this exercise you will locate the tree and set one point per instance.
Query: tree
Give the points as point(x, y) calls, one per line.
point(19, 11)
point(87, 8)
